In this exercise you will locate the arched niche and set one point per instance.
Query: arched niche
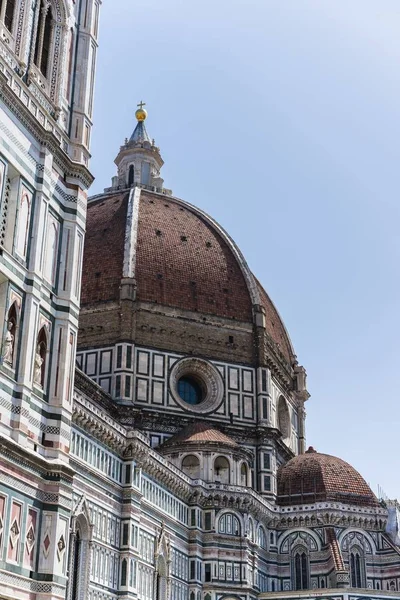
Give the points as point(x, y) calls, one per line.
point(221, 470)
point(191, 466)
point(283, 417)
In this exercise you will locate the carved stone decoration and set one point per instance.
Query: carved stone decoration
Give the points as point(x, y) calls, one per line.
point(8, 344)
point(14, 533)
point(210, 379)
point(61, 545)
point(30, 539)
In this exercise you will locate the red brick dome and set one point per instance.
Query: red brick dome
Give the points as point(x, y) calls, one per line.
point(182, 259)
point(314, 477)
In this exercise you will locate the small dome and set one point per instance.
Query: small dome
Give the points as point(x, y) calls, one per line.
point(314, 477)
point(197, 433)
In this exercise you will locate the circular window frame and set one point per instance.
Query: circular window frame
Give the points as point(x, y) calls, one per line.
point(210, 380)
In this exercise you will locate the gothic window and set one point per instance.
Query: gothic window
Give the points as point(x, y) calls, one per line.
point(300, 569)
point(131, 175)
point(191, 466)
point(221, 470)
point(356, 568)
point(44, 38)
point(24, 212)
point(79, 556)
point(7, 11)
point(229, 524)
point(41, 357)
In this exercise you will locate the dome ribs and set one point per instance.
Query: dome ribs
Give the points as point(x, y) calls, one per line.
point(104, 249)
point(188, 265)
point(314, 477)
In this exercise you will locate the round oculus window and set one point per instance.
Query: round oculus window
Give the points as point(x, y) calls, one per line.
point(190, 390)
point(196, 385)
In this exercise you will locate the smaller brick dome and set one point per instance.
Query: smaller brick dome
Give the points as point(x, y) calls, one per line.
point(198, 433)
point(314, 477)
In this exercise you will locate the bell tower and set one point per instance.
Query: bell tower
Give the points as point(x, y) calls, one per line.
point(48, 54)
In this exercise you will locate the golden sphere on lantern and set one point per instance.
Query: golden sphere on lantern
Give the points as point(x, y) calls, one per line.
point(141, 114)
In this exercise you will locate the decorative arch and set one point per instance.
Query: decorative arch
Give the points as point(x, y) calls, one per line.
point(229, 524)
point(365, 540)
point(79, 553)
point(304, 536)
point(300, 567)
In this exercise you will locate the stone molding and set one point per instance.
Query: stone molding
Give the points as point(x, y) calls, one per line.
point(209, 377)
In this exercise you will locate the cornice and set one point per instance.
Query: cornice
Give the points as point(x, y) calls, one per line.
point(43, 136)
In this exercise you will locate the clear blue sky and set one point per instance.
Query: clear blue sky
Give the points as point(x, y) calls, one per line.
point(280, 118)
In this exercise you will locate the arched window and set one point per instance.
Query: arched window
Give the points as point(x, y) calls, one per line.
point(44, 38)
point(243, 475)
point(21, 242)
point(191, 466)
point(300, 569)
point(283, 417)
point(78, 573)
point(41, 358)
point(124, 572)
point(221, 470)
point(7, 10)
point(262, 538)
point(229, 524)
point(131, 175)
point(356, 560)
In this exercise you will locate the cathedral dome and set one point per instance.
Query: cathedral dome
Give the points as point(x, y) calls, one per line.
point(314, 477)
point(179, 258)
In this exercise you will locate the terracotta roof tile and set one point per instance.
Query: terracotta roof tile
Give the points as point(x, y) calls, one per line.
point(315, 477)
point(183, 262)
point(198, 432)
point(104, 249)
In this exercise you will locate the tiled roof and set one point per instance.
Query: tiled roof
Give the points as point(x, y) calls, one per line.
point(198, 432)
point(182, 261)
point(315, 477)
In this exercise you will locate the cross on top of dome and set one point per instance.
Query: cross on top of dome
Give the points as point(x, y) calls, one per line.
point(141, 113)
